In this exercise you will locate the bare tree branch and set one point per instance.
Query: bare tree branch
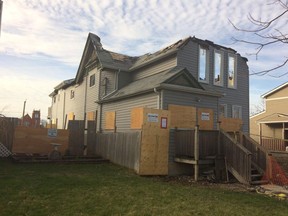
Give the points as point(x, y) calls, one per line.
point(277, 36)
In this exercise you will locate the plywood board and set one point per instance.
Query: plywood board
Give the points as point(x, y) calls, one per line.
point(90, 116)
point(230, 124)
point(137, 118)
point(36, 141)
point(205, 118)
point(110, 120)
point(154, 144)
point(71, 116)
point(182, 116)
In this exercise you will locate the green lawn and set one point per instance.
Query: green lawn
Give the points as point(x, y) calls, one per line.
point(106, 189)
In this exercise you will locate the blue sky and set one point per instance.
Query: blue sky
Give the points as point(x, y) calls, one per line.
point(42, 41)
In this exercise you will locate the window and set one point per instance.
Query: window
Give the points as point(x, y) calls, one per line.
point(218, 68)
point(54, 99)
point(223, 110)
point(72, 94)
point(236, 111)
point(231, 71)
point(203, 74)
point(92, 80)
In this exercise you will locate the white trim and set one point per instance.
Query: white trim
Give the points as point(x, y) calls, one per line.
point(275, 89)
point(260, 113)
point(269, 122)
point(279, 98)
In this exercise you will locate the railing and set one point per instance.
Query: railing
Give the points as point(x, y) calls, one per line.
point(237, 157)
point(259, 153)
point(185, 143)
point(274, 144)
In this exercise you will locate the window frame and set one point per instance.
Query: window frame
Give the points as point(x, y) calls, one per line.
point(221, 72)
point(234, 86)
point(92, 82)
point(225, 110)
point(206, 64)
point(72, 94)
point(234, 107)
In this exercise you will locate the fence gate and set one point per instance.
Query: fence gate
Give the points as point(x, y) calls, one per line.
point(91, 138)
point(76, 137)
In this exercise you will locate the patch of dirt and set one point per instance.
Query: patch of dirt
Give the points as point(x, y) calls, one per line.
point(210, 183)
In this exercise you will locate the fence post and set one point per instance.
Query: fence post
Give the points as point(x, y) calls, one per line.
point(269, 167)
point(218, 138)
point(196, 153)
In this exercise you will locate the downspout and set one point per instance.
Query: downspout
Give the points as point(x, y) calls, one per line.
point(159, 105)
point(99, 116)
point(64, 104)
point(85, 97)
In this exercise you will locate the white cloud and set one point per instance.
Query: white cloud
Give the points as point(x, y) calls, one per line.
point(56, 31)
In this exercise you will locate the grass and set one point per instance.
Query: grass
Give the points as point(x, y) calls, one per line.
point(107, 189)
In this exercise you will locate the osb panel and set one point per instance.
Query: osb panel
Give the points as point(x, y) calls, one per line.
point(90, 116)
point(71, 116)
point(231, 124)
point(137, 118)
point(110, 120)
point(205, 119)
point(182, 116)
point(154, 144)
point(36, 141)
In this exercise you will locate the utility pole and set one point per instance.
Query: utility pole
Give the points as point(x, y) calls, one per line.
point(23, 112)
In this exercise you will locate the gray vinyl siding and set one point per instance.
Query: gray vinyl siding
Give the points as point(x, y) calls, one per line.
point(124, 78)
point(92, 92)
point(155, 68)
point(188, 57)
point(123, 109)
point(189, 99)
point(110, 76)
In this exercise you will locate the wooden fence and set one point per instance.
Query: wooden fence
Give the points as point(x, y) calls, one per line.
point(237, 157)
point(120, 148)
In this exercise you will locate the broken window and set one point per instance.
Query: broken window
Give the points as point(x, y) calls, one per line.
point(203, 74)
point(231, 71)
point(218, 68)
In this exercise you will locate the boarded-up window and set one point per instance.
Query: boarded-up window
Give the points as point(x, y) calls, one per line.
point(90, 116)
point(137, 118)
point(182, 116)
point(71, 116)
point(110, 120)
point(205, 119)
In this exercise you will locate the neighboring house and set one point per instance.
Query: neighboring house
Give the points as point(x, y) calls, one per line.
point(273, 121)
point(190, 72)
point(27, 121)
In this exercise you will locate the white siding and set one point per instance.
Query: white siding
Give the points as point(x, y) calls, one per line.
point(92, 92)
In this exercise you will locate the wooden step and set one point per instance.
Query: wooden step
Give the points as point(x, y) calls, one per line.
point(259, 182)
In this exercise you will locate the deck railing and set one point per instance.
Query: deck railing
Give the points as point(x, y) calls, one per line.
point(259, 153)
point(237, 157)
point(185, 143)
